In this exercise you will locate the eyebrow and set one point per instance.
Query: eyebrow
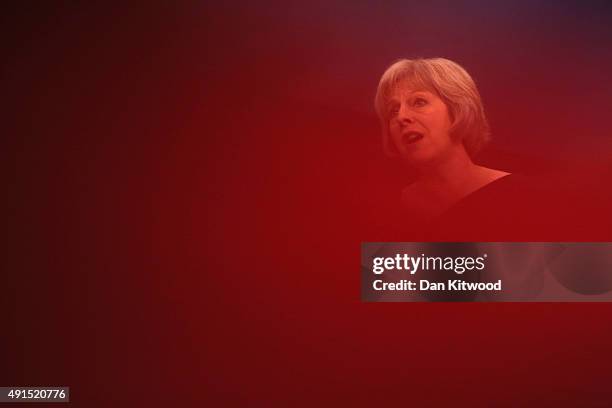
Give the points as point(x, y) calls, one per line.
point(424, 91)
point(420, 91)
point(412, 93)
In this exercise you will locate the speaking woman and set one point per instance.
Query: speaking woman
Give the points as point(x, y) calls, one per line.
point(433, 119)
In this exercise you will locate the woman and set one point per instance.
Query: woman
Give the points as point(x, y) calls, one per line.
point(433, 119)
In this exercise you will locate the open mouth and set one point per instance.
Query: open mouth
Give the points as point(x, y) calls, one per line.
point(411, 137)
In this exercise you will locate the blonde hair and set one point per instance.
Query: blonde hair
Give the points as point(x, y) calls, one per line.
point(452, 84)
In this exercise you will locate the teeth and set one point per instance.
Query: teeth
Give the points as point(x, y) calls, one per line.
point(412, 137)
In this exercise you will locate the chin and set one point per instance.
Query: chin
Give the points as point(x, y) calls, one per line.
point(427, 156)
point(420, 158)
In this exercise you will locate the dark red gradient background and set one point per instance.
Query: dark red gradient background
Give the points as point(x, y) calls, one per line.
point(187, 187)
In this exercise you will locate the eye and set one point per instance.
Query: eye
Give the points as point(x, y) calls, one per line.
point(393, 110)
point(420, 102)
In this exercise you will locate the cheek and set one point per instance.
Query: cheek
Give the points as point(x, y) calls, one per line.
point(394, 130)
point(447, 119)
point(442, 124)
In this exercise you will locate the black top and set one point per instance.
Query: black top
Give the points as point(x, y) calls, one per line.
point(513, 208)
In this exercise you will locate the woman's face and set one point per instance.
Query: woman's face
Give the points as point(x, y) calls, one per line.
point(419, 125)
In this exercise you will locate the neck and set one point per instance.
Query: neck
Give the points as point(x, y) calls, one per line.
point(452, 174)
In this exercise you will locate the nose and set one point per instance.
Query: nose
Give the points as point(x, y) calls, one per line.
point(405, 114)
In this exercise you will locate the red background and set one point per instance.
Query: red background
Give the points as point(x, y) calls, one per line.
point(187, 188)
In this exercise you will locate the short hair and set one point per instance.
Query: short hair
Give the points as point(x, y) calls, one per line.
point(452, 84)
